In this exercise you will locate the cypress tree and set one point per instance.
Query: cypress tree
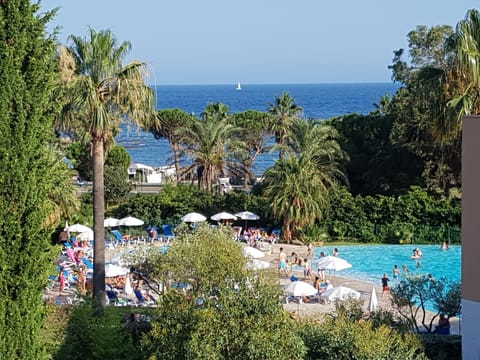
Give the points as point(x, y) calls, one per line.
point(27, 73)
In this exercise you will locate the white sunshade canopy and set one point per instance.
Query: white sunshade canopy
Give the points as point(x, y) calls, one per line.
point(247, 215)
point(332, 263)
point(130, 221)
point(112, 270)
point(251, 252)
point(300, 288)
point(77, 228)
point(193, 217)
point(255, 264)
point(223, 216)
point(373, 301)
point(340, 293)
point(86, 235)
point(111, 222)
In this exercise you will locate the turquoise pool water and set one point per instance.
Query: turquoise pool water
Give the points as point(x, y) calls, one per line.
point(369, 262)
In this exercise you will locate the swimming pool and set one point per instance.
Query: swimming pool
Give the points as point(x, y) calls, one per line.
point(369, 262)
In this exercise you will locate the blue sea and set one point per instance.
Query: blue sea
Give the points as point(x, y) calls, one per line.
point(318, 101)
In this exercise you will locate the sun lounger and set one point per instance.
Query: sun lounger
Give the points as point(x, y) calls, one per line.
point(167, 232)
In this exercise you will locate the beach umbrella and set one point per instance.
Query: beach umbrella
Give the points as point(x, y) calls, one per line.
point(86, 235)
point(111, 222)
point(223, 216)
point(373, 302)
point(332, 263)
point(340, 293)
point(300, 288)
point(255, 264)
point(251, 252)
point(112, 270)
point(247, 215)
point(193, 217)
point(128, 286)
point(77, 228)
point(130, 221)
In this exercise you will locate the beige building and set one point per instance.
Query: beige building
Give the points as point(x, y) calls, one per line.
point(471, 238)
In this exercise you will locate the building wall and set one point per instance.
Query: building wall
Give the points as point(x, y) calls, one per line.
point(471, 238)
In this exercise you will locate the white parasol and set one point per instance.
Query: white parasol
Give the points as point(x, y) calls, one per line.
point(340, 293)
point(223, 216)
point(247, 215)
point(77, 228)
point(193, 217)
point(332, 263)
point(373, 302)
point(251, 252)
point(300, 288)
point(255, 264)
point(112, 270)
point(110, 222)
point(130, 221)
point(128, 286)
point(86, 235)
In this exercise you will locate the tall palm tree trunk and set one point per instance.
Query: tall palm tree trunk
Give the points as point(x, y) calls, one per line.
point(99, 230)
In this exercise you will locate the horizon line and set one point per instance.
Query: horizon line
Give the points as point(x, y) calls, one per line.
point(277, 83)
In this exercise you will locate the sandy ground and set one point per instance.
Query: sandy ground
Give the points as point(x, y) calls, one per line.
point(312, 309)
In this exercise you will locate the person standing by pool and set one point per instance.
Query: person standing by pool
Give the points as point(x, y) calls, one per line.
point(282, 265)
point(385, 287)
point(321, 271)
point(395, 272)
point(309, 251)
point(307, 271)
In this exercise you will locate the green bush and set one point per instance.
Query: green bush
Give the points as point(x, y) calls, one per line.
point(442, 347)
point(90, 336)
point(341, 338)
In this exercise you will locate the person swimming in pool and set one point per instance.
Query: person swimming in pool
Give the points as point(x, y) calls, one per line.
point(417, 254)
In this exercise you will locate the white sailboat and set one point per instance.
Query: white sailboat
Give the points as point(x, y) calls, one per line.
point(239, 87)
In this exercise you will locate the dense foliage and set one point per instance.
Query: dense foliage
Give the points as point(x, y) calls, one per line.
point(86, 336)
point(224, 312)
point(413, 294)
point(412, 217)
point(376, 166)
point(341, 338)
point(29, 174)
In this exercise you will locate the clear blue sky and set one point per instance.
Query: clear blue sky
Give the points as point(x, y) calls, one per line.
point(259, 41)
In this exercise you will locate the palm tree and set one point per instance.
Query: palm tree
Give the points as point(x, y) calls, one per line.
point(207, 142)
point(165, 125)
point(283, 112)
point(295, 192)
point(319, 141)
point(297, 185)
point(100, 93)
point(466, 44)
point(62, 201)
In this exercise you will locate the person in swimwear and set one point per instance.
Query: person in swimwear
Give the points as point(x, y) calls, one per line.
point(282, 265)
